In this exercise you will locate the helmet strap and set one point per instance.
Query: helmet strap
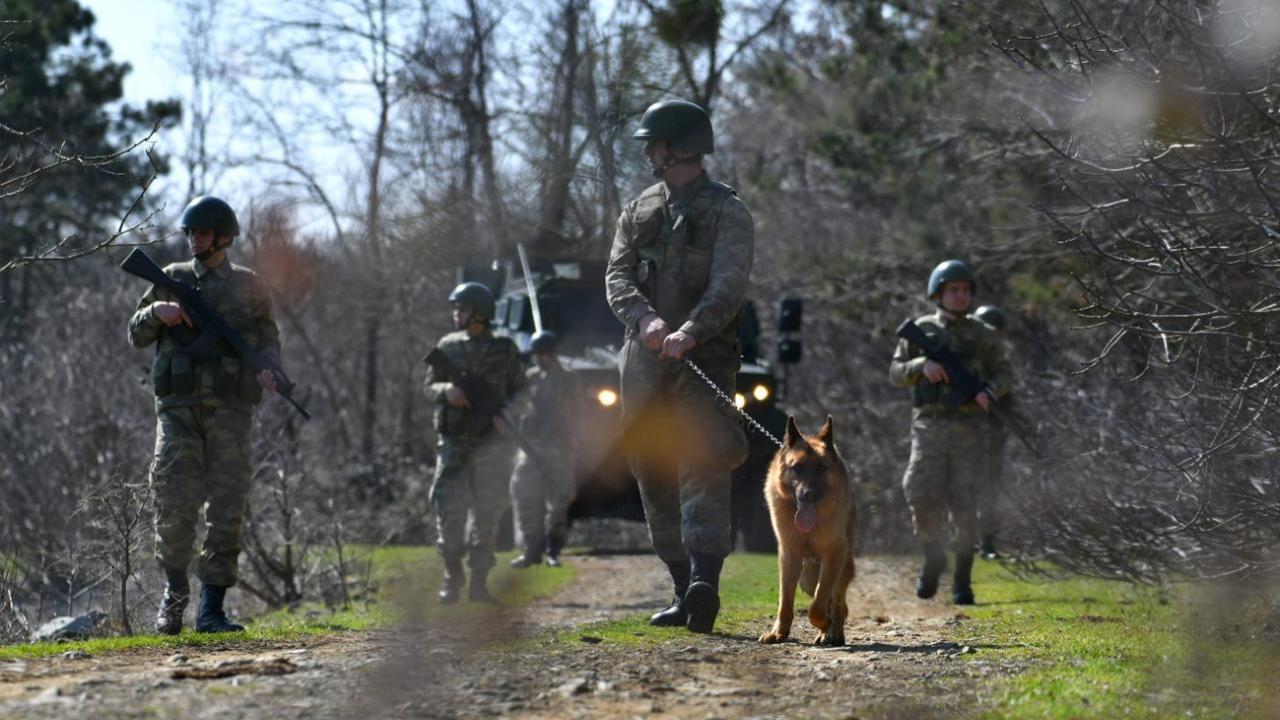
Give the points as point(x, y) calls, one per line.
point(214, 247)
point(668, 160)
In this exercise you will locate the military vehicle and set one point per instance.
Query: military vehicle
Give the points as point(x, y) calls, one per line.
point(571, 301)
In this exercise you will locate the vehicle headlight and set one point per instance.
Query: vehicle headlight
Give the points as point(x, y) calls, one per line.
point(760, 393)
point(740, 400)
point(607, 397)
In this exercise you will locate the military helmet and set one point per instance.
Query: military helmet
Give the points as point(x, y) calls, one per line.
point(212, 213)
point(477, 297)
point(544, 341)
point(951, 271)
point(993, 316)
point(683, 124)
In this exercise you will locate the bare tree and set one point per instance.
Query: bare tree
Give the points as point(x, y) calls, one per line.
point(116, 510)
point(1159, 122)
point(694, 30)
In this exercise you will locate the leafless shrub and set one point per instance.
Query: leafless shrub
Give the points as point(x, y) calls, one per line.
point(115, 509)
point(1160, 121)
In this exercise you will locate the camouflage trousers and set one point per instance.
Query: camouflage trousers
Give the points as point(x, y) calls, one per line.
point(202, 456)
point(541, 499)
point(946, 471)
point(682, 443)
point(470, 483)
point(992, 486)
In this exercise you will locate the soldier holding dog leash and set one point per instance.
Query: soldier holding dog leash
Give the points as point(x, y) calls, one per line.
point(677, 275)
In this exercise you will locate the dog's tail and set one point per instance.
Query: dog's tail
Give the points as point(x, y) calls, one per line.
point(809, 575)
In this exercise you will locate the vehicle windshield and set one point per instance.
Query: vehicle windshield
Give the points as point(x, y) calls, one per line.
point(581, 316)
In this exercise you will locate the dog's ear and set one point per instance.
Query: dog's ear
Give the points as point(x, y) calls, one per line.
point(824, 435)
point(793, 436)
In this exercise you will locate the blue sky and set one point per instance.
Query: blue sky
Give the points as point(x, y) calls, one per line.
point(140, 33)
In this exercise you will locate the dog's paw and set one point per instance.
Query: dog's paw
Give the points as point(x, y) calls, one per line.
point(773, 636)
point(829, 639)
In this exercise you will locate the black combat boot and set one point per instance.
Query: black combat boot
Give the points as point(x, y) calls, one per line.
point(988, 547)
point(674, 615)
point(526, 559)
point(177, 593)
point(555, 542)
point(451, 586)
point(210, 618)
point(479, 592)
point(961, 590)
point(702, 601)
point(935, 561)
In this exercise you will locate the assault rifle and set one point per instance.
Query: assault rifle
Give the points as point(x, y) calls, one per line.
point(486, 405)
point(210, 325)
point(965, 386)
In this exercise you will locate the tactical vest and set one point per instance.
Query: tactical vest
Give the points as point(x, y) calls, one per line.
point(965, 345)
point(675, 249)
point(492, 367)
point(220, 376)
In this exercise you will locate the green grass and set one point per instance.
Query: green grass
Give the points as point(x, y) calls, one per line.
point(402, 585)
point(748, 595)
point(1084, 648)
point(1097, 649)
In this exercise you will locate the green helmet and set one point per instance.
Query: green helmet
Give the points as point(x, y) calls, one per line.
point(993, 316)
point(951, 271)
point(545, 341)
point(209, 212)
point(685, 125)
point(477, 297)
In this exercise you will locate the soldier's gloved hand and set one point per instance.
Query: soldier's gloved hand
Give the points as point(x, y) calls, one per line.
point(935, 372)
point(455, 397)
point(170, 313)
point(653, 331)
point(983, 400)
point(267, 380)
point(677, 344)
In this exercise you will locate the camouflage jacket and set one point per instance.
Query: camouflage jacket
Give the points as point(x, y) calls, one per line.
point(686, 255)
point(973, 342)
point(553, 405)
point(492, 360)
point(222, 377)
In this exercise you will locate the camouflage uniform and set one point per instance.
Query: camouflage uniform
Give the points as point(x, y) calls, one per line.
point(989, 494)
point(204, 410)
point(471, 471)
point(543, 490)
point(948, 445)
point(686, 255)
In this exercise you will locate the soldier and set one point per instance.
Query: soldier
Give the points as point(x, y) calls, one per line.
point(676, 278)
point(542, 487)
point(204, 411)
point(948, 445)
point(997, 434)
point(473, 459)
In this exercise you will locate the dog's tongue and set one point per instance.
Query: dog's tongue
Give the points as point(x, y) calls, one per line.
point(806, 517)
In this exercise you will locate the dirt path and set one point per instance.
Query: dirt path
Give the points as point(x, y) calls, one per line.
point(898, 664)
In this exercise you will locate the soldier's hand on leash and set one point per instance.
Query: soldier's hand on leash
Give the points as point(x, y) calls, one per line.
point(267, 379)
point(170, 313)
point(984, 401)
point(455, 397)
point(653, 331)
point(936, 372)
point(677, 344)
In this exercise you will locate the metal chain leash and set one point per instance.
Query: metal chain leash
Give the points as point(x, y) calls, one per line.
point(724, 397)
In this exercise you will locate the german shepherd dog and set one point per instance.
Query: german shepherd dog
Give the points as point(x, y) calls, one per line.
point(811, 502)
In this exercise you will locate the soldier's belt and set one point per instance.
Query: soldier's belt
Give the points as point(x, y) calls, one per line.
point(942, 411)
